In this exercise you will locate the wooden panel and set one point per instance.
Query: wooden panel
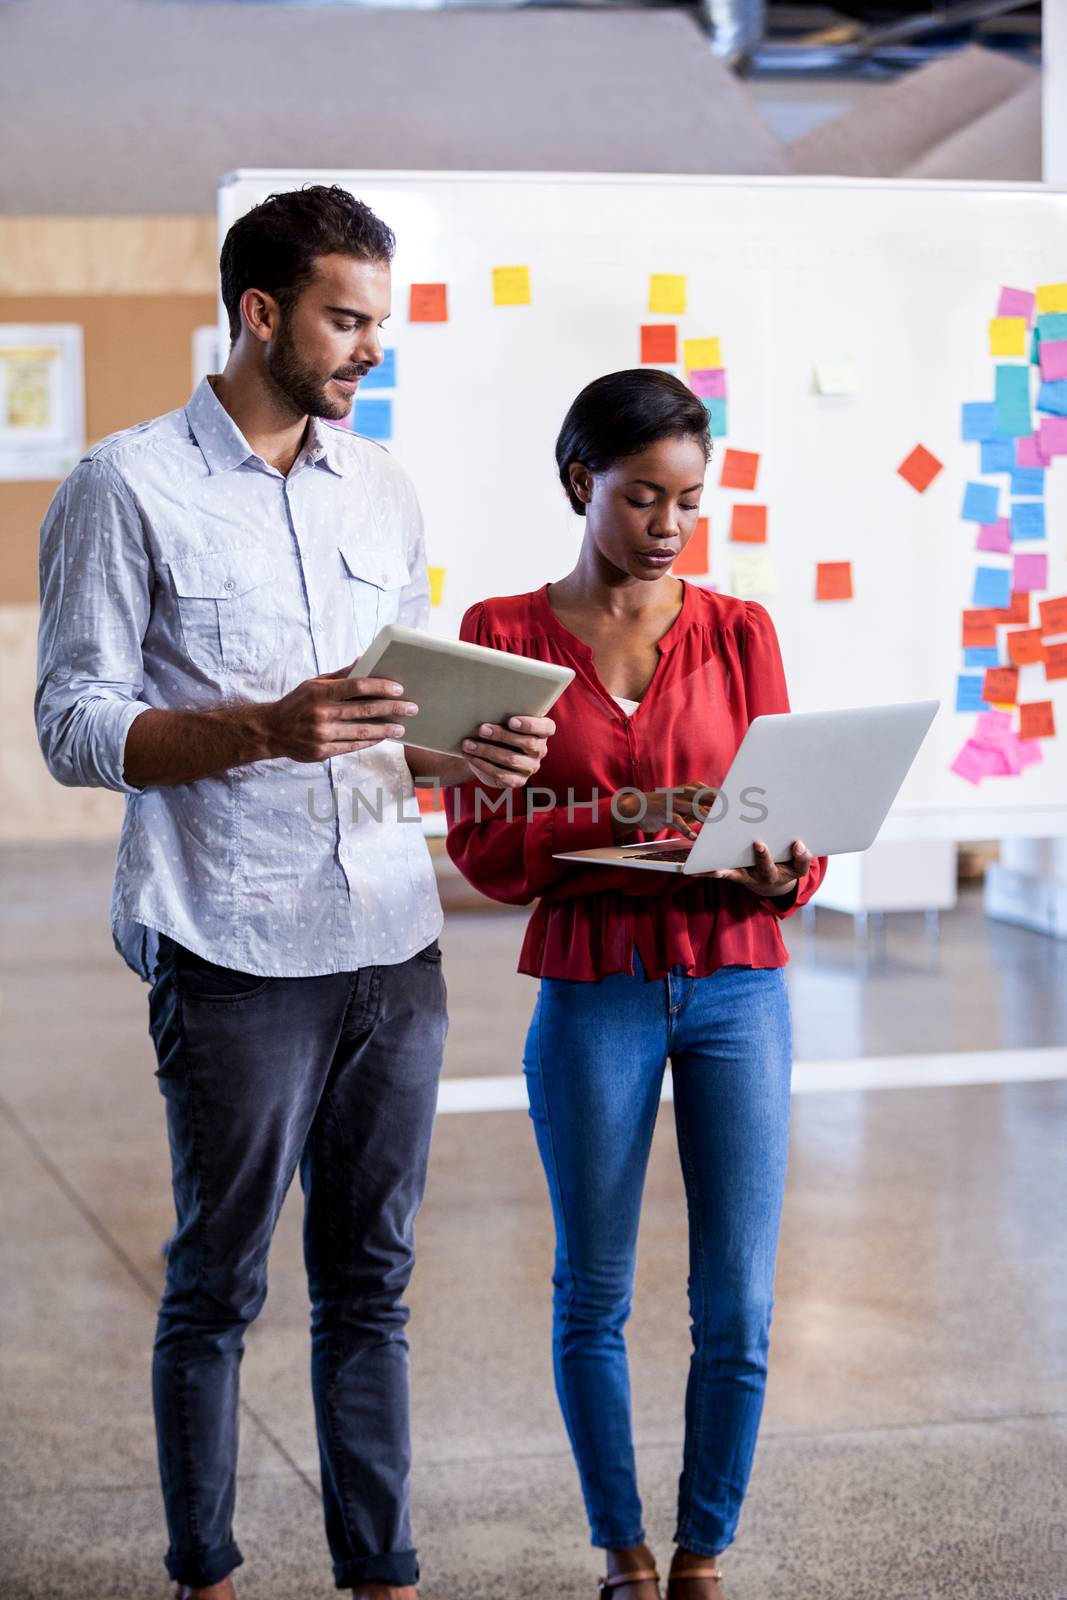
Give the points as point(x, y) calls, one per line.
point(138, 363)
point(108, 255)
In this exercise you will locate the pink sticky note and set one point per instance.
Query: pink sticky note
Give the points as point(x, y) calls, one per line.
point(1028, 452)
point(969, 763)
point(1030, 572)
point(1016, 303)
point(1029, 751)
point(1052, 437)
point(995, 536)
point(1052, 354)
point(992, 726)
point(709, 383)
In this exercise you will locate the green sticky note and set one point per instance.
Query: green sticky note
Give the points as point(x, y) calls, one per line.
point(1012, 398)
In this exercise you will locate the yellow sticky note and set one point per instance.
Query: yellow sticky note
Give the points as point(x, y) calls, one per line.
point(666, 294)
point(511, 286)
point(752, 573)
point(1007, 336)
point(437, 585)
point(701, 354)
point(1052, 297)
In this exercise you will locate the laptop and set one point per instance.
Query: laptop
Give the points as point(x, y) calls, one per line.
point(827, 778)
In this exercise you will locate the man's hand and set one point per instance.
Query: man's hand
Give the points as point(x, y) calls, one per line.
point(767, 877)
point(333, 715)
point(506, 758)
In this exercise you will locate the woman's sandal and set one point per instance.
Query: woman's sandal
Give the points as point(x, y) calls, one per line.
point(693, 1572)
point(617, 1579)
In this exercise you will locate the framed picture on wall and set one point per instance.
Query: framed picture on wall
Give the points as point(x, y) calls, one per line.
point(42, 399)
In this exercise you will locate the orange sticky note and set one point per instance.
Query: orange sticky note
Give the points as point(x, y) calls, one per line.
point(1001, 684)
point(748, 524)
point(1055, 661)
point(1053, 614)
point(1036, 720)
point(693, 561)
point(979, 629)
point(1024, 646)
point(1018, 613)
point(833, 580)
point(428, 302)
point(739, 469)
point(920, 468)
point(659, 342)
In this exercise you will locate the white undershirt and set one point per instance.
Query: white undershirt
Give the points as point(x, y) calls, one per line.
point(629, 706)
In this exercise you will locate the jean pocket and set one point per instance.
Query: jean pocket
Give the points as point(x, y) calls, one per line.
point(431, 954)
point(200, 979)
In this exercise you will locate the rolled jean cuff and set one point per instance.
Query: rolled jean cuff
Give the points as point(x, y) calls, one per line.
point(607, 1539)
point(200, 1572)
point(702, 1547)
point(399, 1568)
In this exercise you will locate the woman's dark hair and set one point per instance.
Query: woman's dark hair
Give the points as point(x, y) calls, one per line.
point(622, 413)
point(274, 246)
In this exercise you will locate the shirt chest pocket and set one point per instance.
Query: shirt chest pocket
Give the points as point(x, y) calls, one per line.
point(374, 580)
point(228, 621)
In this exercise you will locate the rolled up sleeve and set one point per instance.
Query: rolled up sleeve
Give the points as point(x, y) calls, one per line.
point(95, 577)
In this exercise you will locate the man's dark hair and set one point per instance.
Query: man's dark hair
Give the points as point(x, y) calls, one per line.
point(620, 414)
point(274, 246)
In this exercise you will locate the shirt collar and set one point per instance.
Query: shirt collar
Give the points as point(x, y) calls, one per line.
point(224, 446)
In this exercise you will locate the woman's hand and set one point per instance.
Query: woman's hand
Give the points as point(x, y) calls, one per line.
point(662, 808)
point(768, 877)
point(506, 758)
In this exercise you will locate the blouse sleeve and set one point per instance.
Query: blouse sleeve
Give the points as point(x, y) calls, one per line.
point(765, 692)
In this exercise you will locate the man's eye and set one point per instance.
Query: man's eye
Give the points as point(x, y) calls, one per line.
point(346, 327)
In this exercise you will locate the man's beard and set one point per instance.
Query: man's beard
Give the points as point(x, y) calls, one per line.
point(305, 391)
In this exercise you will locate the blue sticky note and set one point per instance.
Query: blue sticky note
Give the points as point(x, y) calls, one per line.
point(716, 410)
point(373, 418)
point(980, 503)
point(1052, 397)
point(383, 377)
point(1027, 519)
point(979, 419)
point(981, 656)
point(1052, 325)
point(992, 588)
point(998, 455)
point(1027, 480)
point(969, 692)
point(1035, 348)
point(1013, 401)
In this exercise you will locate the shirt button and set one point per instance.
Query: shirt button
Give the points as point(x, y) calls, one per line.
point(229, 584)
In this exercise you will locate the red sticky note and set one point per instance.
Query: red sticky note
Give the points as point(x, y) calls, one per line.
point(428, 302)
point(739, 469)
point(1055, 661)
point(748, 524)
point(1053, 614)
point(979, 629)
point(833, 580)
point(1024, 646)
point(1018, 613)
point(1000, 685)
point(1036, 720)
point(920, 468)
point(659, 342)
point(693, 561)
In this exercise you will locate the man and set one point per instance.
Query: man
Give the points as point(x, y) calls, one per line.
point(207, 580)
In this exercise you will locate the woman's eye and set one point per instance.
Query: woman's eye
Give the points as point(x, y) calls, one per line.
point(688, 508)
point(642, 505)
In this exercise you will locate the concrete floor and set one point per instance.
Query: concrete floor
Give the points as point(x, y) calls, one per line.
point(913, 1442)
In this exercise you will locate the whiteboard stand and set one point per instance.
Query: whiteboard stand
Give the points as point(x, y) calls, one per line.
point(892, 876)
point(1028, 885)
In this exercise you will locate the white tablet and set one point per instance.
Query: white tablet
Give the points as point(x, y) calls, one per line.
point(458, 686)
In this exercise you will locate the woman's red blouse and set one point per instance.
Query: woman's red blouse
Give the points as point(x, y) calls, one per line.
point(719, 667)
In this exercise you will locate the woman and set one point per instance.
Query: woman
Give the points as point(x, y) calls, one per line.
point(638, 967)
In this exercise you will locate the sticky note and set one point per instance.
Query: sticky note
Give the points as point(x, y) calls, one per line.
point(1025, 646)
point(979, 629)
point(716, 410)
point(1052, 398)
point(1037, 720)
point(835, 377)
point(998, 455)
point(428, 302)
point(693, 561)
point(833, 580)
point(383, 377)
point(709, 383)
point(1016, 303)
point(1052, 437)
point(1027, 453)
point(666, 298)
point(1013, 400)
point(1028, 519)
point(980, 502)
point(1051, 297)
point(920, 468)
point(739, 469)
point(700, 354)
point(1000, 686)
point(659, 342)
point(748, 524)
point(1007, 336)
point(992, 587)
point(511, 286)
point(752, 573)
point(981, 656)
point(1018, 613)
point(969, 692)
point(437, 584)
point(1027, 481)
point(978, 419)
point(1055, 662)
point(373, 418)
point(1053, 614)
point(995, 536)
point(1030, 572)
point(1052, 325)
point(1052, 359)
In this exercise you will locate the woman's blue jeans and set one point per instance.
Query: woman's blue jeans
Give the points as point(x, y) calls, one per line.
point(595, 1058)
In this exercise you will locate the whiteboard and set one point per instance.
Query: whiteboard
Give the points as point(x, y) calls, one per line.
point(901, 279)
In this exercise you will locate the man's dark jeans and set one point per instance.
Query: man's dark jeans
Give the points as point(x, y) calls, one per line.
point(336, 1074)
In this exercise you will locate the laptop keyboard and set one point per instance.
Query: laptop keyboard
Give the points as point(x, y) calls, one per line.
point(681, 853)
